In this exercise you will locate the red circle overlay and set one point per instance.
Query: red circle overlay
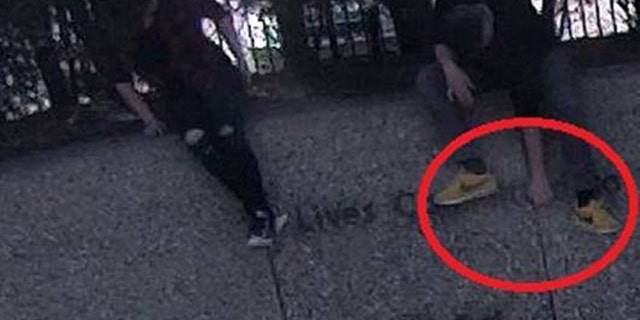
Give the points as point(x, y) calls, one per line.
point(528, 287)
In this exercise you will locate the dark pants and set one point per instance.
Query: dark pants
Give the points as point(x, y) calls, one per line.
point(212, 128)
point(561, 97)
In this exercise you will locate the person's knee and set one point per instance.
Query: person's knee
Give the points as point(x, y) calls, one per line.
point(230, 139)
point(226, 130)
point(193, 136)
point(429, 81)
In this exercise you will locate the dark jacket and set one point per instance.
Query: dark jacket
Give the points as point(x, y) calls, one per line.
point(175, 50)
point(521, 42)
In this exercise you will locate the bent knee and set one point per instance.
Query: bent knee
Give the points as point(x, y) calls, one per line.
point(193, 136)
point(226, 130)
point(429, 81)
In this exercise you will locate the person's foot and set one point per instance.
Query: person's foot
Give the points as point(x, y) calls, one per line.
point(467, 186)
point(264, 227)
point(280, 222)
point(260, 234)
point(594, 217)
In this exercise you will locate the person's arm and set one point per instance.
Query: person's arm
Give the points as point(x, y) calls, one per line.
point(444, 55)
point(224, 21)
point(459, 85)
point(229, 32)
point(134, 101)
point(149, 12)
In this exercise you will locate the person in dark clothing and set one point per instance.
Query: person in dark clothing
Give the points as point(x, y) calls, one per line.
point(481, 45)
point(205, 95)
point(96, 23)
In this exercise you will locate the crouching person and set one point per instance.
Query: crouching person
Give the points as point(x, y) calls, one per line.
point(205, 94)
point(482, 45)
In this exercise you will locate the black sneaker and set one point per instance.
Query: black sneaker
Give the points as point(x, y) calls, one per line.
point(264, 227)
point(260, 233)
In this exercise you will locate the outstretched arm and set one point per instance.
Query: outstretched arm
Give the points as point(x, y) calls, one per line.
point(224, 21)
point(132, 99)
point(229, 32)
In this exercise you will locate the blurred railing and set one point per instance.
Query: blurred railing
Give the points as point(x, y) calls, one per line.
point(580, 19)
point(344, 29)
point(333, 30)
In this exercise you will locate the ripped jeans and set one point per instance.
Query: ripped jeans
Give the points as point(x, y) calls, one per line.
point(213, 131)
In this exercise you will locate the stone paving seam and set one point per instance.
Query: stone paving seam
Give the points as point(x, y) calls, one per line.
point(276, 283)
point(545, 265)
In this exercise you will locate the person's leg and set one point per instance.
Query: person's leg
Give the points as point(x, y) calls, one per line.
point(539, 191)
point(526, 96)
point(220, 144)
point(226, 154)
point(451, 120)
point(563, 97)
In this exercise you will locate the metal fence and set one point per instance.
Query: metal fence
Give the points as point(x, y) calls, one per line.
point(25, 69)
point(22, 87)
point(343, 29)
point(334, 30)
point(592, 19)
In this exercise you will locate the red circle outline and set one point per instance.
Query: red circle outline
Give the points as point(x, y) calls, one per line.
point(536, 286)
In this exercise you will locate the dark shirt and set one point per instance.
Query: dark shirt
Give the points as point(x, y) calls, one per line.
point(179, 55)
point(520, 31)
point(194, 74)
point(520, 43)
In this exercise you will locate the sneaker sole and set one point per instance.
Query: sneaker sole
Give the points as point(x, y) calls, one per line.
point(281, 222)
point(469, 197)
point(257, 242)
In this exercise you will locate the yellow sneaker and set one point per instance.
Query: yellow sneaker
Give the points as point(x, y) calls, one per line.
point(595, 218)
point(465, 187)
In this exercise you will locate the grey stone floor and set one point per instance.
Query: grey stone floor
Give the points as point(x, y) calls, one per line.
point(132, 228)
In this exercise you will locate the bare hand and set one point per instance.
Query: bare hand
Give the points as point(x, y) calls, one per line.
point(155, 128)
point(459, 85)
point(540, 192)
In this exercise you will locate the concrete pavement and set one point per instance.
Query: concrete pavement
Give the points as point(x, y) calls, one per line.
point(132, 228)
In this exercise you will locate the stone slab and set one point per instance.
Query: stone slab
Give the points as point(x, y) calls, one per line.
point(613, 115)
point(134, 229)
point(351, 254)
point(125, 229)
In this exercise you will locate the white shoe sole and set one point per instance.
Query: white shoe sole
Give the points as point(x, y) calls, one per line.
point(259, 242)
point(280, 222)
